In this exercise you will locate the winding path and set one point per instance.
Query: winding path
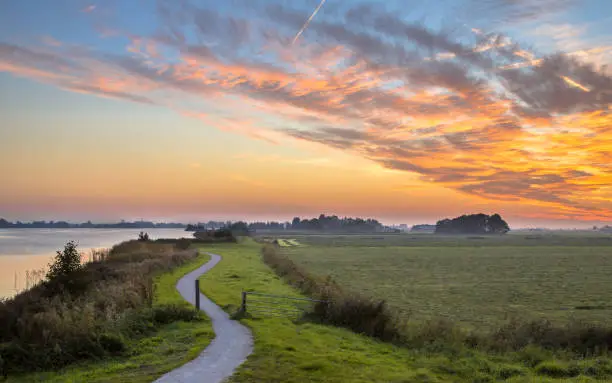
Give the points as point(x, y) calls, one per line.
point(232, 344)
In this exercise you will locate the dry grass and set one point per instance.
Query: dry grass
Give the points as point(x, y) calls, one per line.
point(89, 313)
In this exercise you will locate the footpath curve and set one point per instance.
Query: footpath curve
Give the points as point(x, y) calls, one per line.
point(233, 342)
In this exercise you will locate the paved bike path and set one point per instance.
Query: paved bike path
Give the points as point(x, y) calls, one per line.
point(233, 342)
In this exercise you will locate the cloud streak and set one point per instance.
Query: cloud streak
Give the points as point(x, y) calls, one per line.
point(475, 112)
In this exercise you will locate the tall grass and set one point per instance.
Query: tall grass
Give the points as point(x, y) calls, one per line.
point(374, 318)
point(337, 307)
point(90, 312)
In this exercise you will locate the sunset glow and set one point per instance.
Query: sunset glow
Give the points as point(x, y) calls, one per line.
point(193, 110)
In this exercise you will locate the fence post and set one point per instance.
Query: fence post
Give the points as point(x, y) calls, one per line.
point(197, 294)
point(243, 306)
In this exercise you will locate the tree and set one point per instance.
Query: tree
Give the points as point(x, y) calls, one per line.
point(142, 236)
point(295, 223)
point(65, 262)
point(473, 224)
point(497, 225)
point(239, 228)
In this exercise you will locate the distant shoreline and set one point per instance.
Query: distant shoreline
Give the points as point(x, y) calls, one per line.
point(96, 228)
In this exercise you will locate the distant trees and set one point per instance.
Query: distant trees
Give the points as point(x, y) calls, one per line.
point(423, 228)
point(239, 228)
point(473, 224)
point(65, 262)
point(321, 223)
point(334, 223)
point(4, 224)
point(203, 226)
point(219, 235)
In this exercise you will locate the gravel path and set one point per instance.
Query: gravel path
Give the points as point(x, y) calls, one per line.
point(232, 344)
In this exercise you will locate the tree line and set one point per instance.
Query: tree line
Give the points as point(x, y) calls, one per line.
point(331, 223)
point(4, 224)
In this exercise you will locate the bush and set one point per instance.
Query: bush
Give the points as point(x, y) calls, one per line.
point(113, 343)
point(171, 313)
point(580, 338)
point(142, 236)
point(65, 262)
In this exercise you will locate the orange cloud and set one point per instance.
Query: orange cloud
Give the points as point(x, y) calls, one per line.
point(538, 131)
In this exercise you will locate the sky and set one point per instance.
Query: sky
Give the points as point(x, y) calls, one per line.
point(408, 111)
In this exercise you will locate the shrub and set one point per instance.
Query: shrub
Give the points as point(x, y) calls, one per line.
point(65, 262)
point(113, 343)
point(142, 236)
point(171, 313)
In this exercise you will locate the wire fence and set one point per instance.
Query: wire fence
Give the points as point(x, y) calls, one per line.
point(263, 305)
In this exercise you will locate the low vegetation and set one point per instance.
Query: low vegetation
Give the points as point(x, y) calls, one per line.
point(479, 286)
point(93, 318)
point(373, 318)
point(309, 350)
point(214, 236)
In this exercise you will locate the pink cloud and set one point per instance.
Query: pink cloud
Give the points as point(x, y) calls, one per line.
point(433, 105)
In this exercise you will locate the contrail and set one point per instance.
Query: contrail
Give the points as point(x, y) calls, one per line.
point(308, 21)
point(573, 83)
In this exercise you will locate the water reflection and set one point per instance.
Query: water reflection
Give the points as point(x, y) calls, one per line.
point(23, 250)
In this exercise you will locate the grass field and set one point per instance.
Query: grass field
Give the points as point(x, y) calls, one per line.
point(298, 351)
point(478, 282)
point(150, 357)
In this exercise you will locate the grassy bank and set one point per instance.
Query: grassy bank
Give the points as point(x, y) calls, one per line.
point(158, 341)
point(301, 351)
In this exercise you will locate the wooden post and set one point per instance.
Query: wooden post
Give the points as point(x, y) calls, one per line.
point(243, 306)
point(197, 294)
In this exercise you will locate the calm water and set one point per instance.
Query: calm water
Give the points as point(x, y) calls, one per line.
point(33, 249)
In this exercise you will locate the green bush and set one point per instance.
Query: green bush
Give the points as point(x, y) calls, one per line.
point(114, 344)
point(65, 262)
point(172, 313)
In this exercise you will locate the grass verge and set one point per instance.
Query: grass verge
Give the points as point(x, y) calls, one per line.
point(148, 357)
point(300, 351)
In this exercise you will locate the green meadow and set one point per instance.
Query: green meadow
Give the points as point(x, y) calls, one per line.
point(479, 282)
point(289, 350)
point(473, 283)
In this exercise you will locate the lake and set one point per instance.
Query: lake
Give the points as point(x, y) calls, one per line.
point(24, 250)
